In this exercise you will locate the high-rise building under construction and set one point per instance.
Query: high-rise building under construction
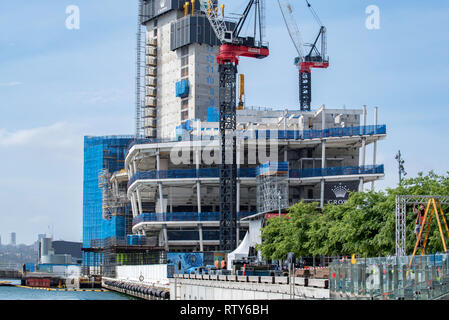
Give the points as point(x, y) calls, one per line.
point(171, 177)
point(174, 173)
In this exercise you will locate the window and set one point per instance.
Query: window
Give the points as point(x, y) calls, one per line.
point(184, 51)
point(207, 68)
point(185, 72)
point(212, 102)
point(184, 115)
point(184, 104)
point(184, 61)
point(310, 193)
point(309, 153)
point(212, 91)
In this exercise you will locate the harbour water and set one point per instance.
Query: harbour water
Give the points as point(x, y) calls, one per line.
point(19, 293)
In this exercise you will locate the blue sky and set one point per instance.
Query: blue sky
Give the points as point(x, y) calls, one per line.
point(57, 85)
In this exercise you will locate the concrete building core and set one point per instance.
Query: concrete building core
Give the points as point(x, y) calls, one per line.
point(181, 69)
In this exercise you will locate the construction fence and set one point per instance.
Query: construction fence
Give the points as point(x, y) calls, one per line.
point(390, 278)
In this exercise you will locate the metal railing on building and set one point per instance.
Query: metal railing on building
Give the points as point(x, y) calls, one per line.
point(280, 134)
point(336, 171)
point(183, 216)
point(252, 173)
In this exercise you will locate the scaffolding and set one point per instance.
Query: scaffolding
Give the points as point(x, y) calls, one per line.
point(118, 252)
point(401, 216)
point(101, 156)
point(139, 67)
point(107, 217)
point(114, 197)
point(272, 187)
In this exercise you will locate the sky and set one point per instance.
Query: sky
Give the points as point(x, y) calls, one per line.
point(58, 85)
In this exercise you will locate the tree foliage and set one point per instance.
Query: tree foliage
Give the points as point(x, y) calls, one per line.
point(364, 225)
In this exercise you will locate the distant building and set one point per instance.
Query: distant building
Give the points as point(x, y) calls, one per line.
point(59, 252)
point(68, 247)
point(38, 242)
point(12, 240)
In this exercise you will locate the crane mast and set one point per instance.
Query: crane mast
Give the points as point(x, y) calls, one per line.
point(233, 46)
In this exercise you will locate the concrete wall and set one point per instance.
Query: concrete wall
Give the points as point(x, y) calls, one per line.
point(201, 62)
point(190, 289)
point(152, 274)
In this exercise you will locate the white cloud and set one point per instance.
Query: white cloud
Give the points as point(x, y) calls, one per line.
point(60, 135)
point(100, 96)
point(10, 84)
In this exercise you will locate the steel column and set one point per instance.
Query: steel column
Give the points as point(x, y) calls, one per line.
point(305, 90)
point(228, 166)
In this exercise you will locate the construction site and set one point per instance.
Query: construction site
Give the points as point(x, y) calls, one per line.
point(176, 210)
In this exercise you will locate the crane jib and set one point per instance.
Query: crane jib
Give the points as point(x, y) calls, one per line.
point(229, 52)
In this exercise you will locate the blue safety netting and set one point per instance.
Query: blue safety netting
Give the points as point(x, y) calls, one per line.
point(101, 153)
point(273, 167)
point(184, 216)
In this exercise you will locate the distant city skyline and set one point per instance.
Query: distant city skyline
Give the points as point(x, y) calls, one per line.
point(38, 237)
point(12, 239)
point(58, 85)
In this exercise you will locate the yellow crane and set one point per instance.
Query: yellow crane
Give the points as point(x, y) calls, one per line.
point(241, 104)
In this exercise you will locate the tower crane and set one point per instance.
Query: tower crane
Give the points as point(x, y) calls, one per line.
point(233, 46)
point(315, 57)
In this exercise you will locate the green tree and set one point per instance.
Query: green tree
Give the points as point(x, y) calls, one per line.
point(364, 225)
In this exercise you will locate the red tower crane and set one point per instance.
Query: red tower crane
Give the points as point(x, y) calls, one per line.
point(316, 57)
point(233, 46)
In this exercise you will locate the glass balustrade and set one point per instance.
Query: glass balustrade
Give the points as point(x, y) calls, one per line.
point(390, 278)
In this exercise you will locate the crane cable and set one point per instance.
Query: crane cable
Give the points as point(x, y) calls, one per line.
point(315, 15)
